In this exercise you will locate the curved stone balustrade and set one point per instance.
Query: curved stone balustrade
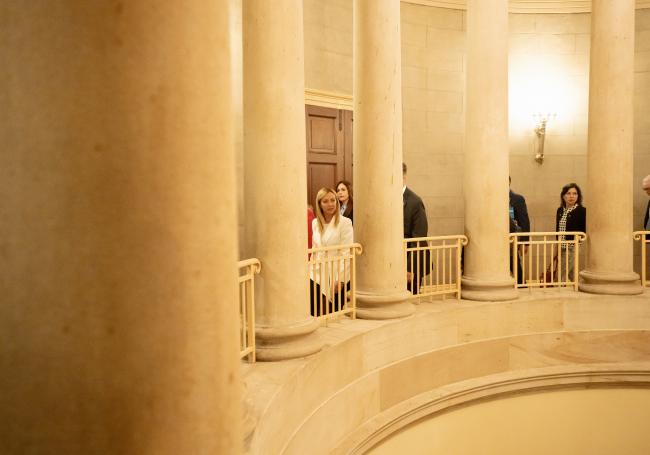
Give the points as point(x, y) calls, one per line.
point(374, 377)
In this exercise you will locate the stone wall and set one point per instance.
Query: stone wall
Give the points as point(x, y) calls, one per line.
point(328, 45)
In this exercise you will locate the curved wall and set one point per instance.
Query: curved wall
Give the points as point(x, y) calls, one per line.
point(376, 377)
point(569, 422)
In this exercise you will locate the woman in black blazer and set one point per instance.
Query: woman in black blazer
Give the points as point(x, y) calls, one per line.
point(344, 195)
point(570, 216)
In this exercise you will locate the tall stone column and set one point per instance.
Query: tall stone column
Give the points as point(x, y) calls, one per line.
point(486, 268)
point(118, 235)
point(275, 187)
point(610, 151)
point(378, 207)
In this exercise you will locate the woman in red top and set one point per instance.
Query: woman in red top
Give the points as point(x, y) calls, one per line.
point(310, 218)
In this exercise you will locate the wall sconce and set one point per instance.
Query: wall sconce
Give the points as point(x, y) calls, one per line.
point(540, 131)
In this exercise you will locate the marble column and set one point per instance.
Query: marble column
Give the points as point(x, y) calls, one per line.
point(610, 151)
point(378, 207)
point(487, 270)
point(118, 235)
point(275, 187)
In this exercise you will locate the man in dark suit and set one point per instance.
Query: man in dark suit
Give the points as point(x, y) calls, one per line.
point(415, 225)
point(519, 222)
point(645, 184)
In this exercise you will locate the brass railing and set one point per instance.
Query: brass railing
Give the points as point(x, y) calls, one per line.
point(547, 259)
point(434, 264)
point(332, 274)
point(248, 268)
point(643, 236)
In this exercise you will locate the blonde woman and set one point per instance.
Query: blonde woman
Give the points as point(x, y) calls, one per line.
point(329, 229)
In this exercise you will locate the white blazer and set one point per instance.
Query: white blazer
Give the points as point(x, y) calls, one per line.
point(332, 235)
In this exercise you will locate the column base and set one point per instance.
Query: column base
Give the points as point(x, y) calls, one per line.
point(488, 290)
point(611, 283)
point(287, 342)
point(375, 305)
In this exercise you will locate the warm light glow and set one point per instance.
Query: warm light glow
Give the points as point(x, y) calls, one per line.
point(540, 86)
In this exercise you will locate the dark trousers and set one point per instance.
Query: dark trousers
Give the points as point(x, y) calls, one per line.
point(520, 275)
point(319, 303)
point(419, 267)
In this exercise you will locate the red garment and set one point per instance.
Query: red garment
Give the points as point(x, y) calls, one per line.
point(310, 218)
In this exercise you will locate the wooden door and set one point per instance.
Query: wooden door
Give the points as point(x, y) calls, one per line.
point(329, 148)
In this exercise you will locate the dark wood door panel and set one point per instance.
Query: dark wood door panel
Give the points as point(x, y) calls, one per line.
point(329, 147)
point(320, 175)
point(322, 135)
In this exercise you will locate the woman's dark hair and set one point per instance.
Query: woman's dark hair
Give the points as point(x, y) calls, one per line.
point(566, 188)
point(349, 205)
point(347, 184)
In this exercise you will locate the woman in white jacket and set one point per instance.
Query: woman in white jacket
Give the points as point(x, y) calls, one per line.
point(329, 229)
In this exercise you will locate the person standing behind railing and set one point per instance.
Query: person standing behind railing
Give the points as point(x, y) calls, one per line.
point(329, 229)
point(645, 184)
point(344, 195)
point(519, 222)
point(310, 220)
point(415, 225)
point(570, 216)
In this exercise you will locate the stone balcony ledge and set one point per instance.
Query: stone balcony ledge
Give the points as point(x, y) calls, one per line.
point(375, 376)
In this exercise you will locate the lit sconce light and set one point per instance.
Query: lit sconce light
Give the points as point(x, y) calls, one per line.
point(540, 131)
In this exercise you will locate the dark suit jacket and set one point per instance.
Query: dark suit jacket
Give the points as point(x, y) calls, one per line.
point(415, 220)
point(518, 203)
point(576, 221)
point(645, 218)
point(348, 210)
point(415, 216)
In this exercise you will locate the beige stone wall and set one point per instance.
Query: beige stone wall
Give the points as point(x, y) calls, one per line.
point(549, 71)
point(434, 73)
point(328, 45)
point(433, 84)
point(543, 47)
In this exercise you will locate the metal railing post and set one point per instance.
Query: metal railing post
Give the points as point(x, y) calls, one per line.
point(249, 267)
point(548, 276)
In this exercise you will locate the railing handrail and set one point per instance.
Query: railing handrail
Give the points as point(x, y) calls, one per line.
point(581, 235)
point(462, 237)
point(248, 262)
point(358, 249)
point(561, 242)
point(643, 237)
point(445, 267)
point(636, 235)
point(252, 266)
point(321, 260)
